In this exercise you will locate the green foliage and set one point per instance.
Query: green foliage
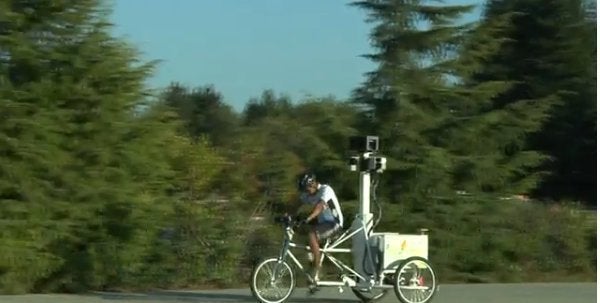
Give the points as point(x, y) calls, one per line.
point(481, 239)
point(203, 112)
point(85, 177)
point(550, 54)
point(407, 95)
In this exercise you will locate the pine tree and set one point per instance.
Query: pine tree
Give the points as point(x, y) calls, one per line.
point(552, 52)
point(406, 95)
point(79, 170)
point(204, 111)
point(443, 129)
point(486, 138)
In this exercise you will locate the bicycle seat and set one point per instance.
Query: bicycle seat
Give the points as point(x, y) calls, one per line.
point(334, 236)
point(337, 233)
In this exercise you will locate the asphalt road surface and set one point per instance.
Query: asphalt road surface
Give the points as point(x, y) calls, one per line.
point(473, 293)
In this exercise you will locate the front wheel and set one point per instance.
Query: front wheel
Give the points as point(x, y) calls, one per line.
point(273, 281)
point(415, 281)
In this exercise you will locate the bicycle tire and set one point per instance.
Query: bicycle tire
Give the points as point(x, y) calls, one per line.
point(366, 298)
point(253, 283)
point(397, 277)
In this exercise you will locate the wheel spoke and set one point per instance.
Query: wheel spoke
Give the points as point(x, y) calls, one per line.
point(414, 287)
point(278, 283)
point(269, 272)
point(278, 291)
point(281, 272)
point(415, 281)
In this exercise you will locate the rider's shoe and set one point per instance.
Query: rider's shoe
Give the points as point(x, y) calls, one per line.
point(312, 282)
point(315, 274)
point(312, 286)
point(313, 278)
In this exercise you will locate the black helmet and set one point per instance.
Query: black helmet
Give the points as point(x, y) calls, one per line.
point(306, 179)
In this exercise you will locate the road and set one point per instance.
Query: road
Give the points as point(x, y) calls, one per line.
point(461, 293)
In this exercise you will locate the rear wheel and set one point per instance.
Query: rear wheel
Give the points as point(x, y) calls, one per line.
point(415, 281)
point(372, 295)
point(369, 295)
point(273, 281)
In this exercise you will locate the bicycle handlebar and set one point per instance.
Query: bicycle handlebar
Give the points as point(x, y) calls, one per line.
point(287, 220)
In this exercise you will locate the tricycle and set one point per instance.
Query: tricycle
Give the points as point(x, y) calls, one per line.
point(381, 261)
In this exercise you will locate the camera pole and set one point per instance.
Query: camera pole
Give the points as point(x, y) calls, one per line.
point(365, 193)
point(366, 163)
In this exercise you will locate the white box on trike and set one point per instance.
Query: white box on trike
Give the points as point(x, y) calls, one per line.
point(395, 248)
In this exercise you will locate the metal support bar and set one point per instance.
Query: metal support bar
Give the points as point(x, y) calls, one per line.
point(330, 283)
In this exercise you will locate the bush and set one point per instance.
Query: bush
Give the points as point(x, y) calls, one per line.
point(511, 241)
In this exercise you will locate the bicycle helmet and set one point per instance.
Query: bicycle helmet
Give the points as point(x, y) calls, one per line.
point(306, 179)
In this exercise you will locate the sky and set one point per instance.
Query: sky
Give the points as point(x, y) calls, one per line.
point(243, 47)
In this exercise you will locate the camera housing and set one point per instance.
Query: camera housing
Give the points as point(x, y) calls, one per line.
point(364, 143)
point(367, 159)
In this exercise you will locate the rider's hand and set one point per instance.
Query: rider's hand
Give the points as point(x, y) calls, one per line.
point(298, 220)
point(305, 221)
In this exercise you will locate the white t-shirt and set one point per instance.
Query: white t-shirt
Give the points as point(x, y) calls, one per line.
point(332, 210)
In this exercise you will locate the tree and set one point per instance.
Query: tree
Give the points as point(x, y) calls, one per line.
point(486, 138)
point(442, 128)
point(268, 105)
point(551, 53)
point(204, 112)
point(406, 95)
point(81, 177)
point(187, 245)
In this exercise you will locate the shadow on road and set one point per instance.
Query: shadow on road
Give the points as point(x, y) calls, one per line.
point(167, 296)
point(201, 297)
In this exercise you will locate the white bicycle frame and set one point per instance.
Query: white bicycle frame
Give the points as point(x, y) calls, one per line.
point(327, 250)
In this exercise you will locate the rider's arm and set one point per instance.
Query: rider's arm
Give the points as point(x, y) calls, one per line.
point(316, 210)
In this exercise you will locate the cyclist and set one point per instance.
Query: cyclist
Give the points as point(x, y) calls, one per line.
point(325, 208)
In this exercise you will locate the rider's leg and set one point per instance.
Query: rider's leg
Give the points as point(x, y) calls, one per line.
point(319, 232)
point(313, 242)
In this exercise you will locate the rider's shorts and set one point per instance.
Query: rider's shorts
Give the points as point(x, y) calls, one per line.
point(326, 229)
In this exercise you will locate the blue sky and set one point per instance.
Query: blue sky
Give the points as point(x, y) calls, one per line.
point(242, 47)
